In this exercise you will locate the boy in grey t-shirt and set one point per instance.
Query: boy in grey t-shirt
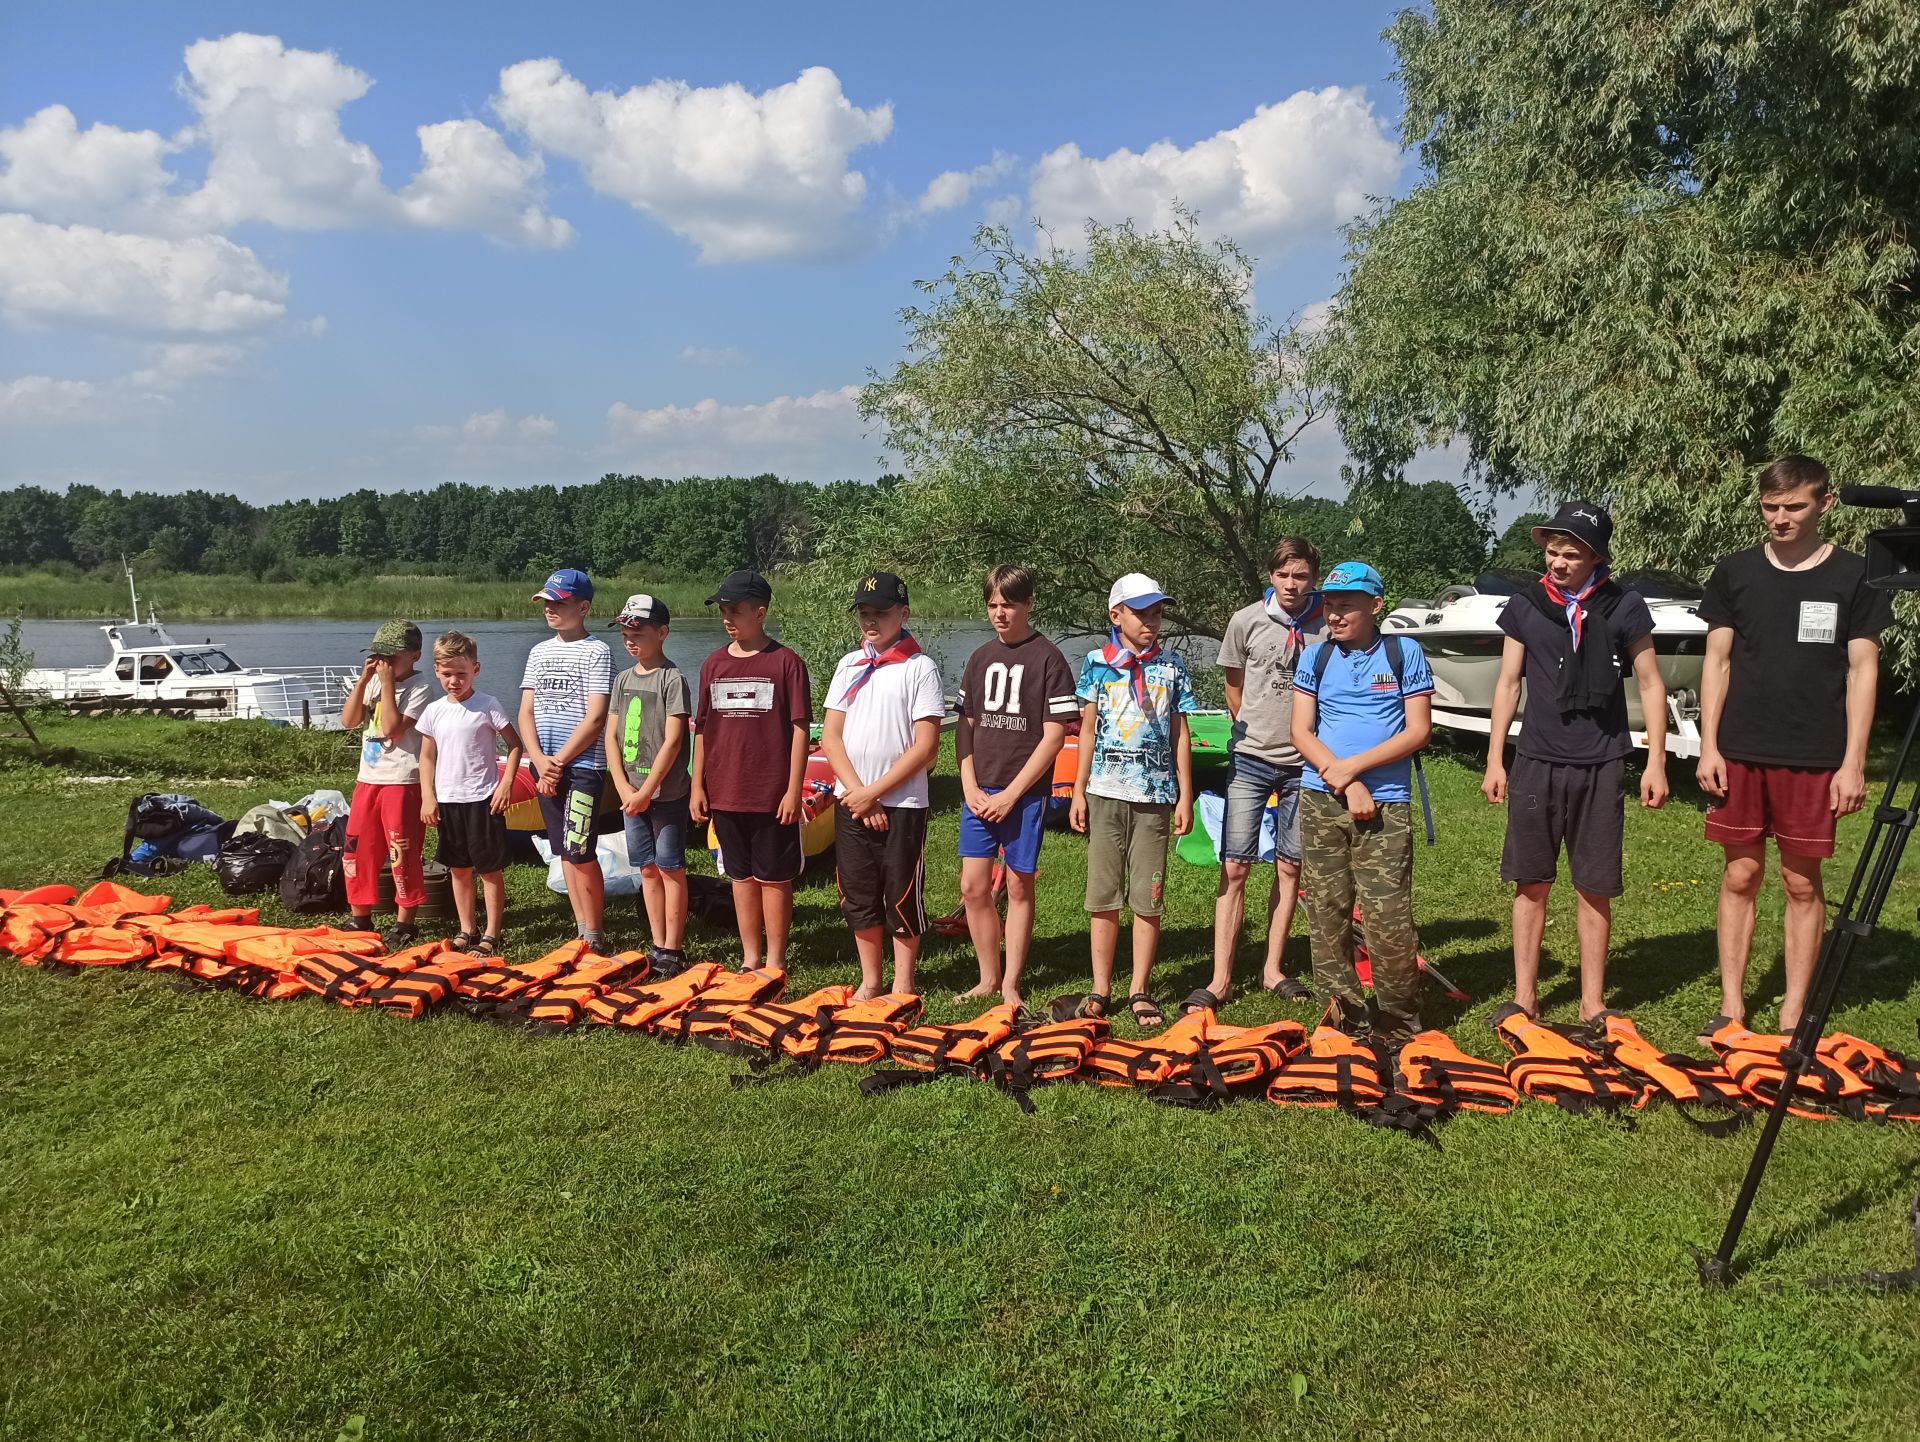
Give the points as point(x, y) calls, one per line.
point(647, 751)
point(1262, 645)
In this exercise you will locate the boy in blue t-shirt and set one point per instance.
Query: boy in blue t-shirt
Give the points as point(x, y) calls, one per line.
point(1357, 725)
point(1135, 784)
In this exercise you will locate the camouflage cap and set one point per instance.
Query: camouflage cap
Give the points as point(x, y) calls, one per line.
point(393, 637)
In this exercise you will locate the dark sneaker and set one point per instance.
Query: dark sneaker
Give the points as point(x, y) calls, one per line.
point(596, 942)
point(359, 923)
point(400, 936)
point(663, 961)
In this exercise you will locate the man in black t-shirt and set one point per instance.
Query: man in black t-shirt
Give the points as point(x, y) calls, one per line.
point(1571, 636)
point(1786, 702)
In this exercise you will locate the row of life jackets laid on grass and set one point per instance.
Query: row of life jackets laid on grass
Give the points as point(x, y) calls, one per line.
point(1607, 1066)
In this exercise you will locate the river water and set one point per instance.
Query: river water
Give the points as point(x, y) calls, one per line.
point(503, 644)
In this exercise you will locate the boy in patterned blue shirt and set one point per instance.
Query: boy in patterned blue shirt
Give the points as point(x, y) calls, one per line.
point(1135, 785)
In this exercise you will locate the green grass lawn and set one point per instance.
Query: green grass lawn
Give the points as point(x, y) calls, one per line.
point(228, 1218)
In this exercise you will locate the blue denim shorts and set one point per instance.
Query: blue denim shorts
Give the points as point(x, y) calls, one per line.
point(1249, 783)
point(1017, 836)
point(658, 836)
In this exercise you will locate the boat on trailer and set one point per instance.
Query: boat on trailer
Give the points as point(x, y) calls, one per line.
point(146, 667)
point(1460, 633)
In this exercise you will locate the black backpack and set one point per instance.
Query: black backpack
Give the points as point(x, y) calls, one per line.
point(250, 862)
point(315, 878)
point(162, 816)
point(1396, 661)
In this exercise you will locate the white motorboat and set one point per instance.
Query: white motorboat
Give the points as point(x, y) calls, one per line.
point(1460, 632)
point(147, 666)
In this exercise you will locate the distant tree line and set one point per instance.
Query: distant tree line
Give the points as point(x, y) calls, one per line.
point(701, 526)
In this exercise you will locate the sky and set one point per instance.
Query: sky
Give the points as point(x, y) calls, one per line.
point(296, 250)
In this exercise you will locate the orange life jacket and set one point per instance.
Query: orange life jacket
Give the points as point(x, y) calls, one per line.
point(103, 946)
point(1894, 1078)
point(863, 1032)
point(497, 983)
point(713, 1010)
point(788, 1028)
point(1335, 1070)
point(563, 1002)
point(414, 993)
point(340, 978)
point(1119, 1062)
point(1433, 1073)
point(1235, 1060)
point(30, 929)
point(1552, 1065)
point(114, 901)
point(1825, 1089)
point(956, 1048)
point(1052, 1051)
point(1684, 1081)
point(650, 1003)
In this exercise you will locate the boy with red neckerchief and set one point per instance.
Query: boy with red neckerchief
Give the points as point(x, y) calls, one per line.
point(881, 735)
point(1135, 786)
point(1786, 704)
point(1572, 636)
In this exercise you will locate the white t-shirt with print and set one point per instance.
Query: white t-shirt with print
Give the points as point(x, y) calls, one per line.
point(466, 765)
point(381, 762)
point(879, 725)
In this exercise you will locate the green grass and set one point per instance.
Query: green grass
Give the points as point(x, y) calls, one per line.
point(238, 1219)
point(41, 595)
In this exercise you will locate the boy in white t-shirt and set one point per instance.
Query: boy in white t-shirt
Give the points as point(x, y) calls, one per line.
point(464, 791)
point(881, 736)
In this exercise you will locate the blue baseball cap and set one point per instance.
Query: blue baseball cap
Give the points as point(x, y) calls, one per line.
point(1354, 576)
point(566, 585)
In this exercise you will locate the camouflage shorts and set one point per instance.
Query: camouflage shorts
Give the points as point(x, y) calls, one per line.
point(1343, 861)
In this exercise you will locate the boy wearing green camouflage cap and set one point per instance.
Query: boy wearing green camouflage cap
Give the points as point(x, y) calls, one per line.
point(384, 826)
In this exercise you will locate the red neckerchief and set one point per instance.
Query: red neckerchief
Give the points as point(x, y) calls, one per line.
point(1134, 663)
point(1576, 613)
point(900, 650)
point(1295, 625)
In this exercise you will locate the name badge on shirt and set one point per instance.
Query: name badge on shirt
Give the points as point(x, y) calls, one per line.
point(1819, 621)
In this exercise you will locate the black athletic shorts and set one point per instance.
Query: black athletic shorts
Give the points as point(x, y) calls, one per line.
point(883, 873)
point(754, 846)
point(472, 836)
point(1583, 808)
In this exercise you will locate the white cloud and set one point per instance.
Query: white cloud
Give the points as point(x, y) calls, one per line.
point(745, 177)
point(1296, 169)
point(1314, 317)
point(175, 364)
point(953, 188)
point(57, 171)
point(270, 117)
point(491, 428)
point(819, 437)
point(139, 284)
point(714, 357)
point(42, 398)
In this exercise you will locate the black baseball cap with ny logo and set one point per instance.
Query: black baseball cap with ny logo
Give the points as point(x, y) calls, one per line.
point(880, 588)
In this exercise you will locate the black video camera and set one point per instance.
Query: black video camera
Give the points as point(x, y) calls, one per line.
point(1893, 552)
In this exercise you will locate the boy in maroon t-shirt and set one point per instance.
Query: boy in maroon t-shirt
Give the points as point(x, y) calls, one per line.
point(749, 762)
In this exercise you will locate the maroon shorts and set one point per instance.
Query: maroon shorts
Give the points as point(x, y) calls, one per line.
point(1792, 804)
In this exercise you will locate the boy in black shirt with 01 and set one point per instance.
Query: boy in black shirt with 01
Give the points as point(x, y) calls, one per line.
point(1786, 702)
point(1571, 635)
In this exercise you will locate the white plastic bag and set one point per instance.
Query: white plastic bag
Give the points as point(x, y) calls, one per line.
point(622, 877)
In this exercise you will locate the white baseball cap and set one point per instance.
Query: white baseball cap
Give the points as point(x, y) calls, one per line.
point(1137, 591)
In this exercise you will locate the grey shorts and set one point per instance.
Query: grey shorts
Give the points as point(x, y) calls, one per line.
point(1580, 808)
point(1249, 784)
point(1127, 855)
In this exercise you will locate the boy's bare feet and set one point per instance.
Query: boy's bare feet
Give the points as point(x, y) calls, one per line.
point(983, 988)
point(867, 993)
point(1011, 996)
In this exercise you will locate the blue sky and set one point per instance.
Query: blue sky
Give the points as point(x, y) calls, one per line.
point(653, 239)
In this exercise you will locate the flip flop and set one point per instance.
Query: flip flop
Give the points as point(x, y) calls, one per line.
point(1093, 1004)
point(1202, 998)
point(1705, 1034)
point(1155, 1017)
point(1291, 988)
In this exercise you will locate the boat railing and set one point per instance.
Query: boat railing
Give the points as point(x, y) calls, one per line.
point(292, 695)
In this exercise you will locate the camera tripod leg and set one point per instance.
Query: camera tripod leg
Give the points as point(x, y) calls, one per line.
point(1859, 913)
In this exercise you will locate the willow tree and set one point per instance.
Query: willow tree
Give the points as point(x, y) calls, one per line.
point(1089, 412)
point(1654, 243)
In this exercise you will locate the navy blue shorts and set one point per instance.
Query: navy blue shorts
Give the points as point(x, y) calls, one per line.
point(569, 812)
point(1017, 835)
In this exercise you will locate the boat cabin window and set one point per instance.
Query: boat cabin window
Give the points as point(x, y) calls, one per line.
point(155, 668)
point(123, 668)
point(200, 663)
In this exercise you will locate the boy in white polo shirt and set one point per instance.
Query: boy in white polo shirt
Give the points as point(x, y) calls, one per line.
point(881, 736)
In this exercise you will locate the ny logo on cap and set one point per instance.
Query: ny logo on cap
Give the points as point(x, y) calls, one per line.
point(872, 583)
